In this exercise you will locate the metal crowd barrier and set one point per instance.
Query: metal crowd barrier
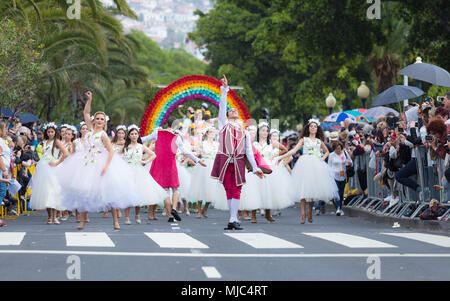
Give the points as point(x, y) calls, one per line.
point(411, 203)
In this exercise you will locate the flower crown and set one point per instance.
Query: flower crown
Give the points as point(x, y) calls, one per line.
point(82, 123)
point(50, 125)
point(107, 118)
point(133, 126)
point(274, 131)
point(251, 128)
point(121, 127)
point(261, 124)
point(208, 129)
point(65, 125)
point(316, 121)
point(71, 127)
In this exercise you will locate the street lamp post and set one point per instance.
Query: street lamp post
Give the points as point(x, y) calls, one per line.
point(363, 93)
point(330, 102)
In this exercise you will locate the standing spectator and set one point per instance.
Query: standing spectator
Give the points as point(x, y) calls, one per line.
point(4, 164)
point(338, 161)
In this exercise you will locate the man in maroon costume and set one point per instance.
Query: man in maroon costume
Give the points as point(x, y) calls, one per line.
point(229, 164)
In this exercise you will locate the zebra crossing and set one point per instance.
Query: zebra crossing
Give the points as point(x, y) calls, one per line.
point(264, 241)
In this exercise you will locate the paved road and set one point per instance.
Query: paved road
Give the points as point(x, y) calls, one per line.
point(331, 248)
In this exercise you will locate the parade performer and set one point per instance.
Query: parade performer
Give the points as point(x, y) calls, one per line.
point(164, 167)
point(312, 178)
point(229, 164)
point(45, 189)
point(204, 188)
point(118, 143)
point(150, 193)
point(97, 179)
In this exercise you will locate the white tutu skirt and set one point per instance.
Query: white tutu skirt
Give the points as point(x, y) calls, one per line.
point(280, 188)
point(84, 188)
point(313, 180)
point(148, 190)
point(185, 177)
point(45, 188)
point(203, 187)
point(251, 194)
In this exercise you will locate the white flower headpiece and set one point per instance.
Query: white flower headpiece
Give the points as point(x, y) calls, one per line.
point(208, 129)
point(50, 125)
point(65, 125)
point(316, 121)
point(71, 127)
point(251, 128)
point(274, 131)
point(82, 123)
point(263, 124)
point(133, 126)
point(121, 127)
point(107, 118)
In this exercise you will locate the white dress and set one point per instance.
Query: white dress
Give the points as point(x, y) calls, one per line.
point(203, 187)
point(279, 180)
point(149, 191)
point(45, 188)
point(184, 176)
point(79, 145)
point(312, 178)
point(85, 189)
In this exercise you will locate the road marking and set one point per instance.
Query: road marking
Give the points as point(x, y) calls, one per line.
point(88, 239)
point(211, 272)
point(175, 228)
point(174, 224)
point(263, 241)
point(438, 240)
point(221, 255)
point(351, 241)
point(176, 240)
point(11, 238)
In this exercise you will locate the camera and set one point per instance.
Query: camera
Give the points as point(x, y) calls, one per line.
point(440, 98)
point(401, 130)
point(429, 138)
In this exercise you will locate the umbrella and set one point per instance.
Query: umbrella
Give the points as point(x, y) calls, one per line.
point(27, 117)
point(329, 126)
point(339, 116)
point(6, 112)
point(377, 112)
point(428, 73)
point(356, 113)
point(396, 94)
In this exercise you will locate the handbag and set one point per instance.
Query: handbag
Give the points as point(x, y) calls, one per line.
point(349, 169)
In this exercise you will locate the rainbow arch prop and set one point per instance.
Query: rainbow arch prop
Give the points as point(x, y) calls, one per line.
point(184, 89)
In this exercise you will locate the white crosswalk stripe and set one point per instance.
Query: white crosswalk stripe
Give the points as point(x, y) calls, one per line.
point(254, 240)
point(438, 240)
point(351, 241)
point(11, 238)
point(176, 240)
point(88, 239)
point(211, 272)
point(263, 241)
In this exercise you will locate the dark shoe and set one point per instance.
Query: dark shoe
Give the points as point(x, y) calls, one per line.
point(229, 227)
point(175, 215)
point(170, 220)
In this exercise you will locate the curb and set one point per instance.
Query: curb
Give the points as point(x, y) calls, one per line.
point(405, 223)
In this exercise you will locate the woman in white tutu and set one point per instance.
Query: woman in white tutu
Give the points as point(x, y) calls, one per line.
point(118, 143)
point(283, 197)
point(313, 179)
point(67, 141)
point(204, 188)
point(149, 191)
point(251, 194)
point(97, 179)
point(46, 191)
point(80, 141)
point(79, 146)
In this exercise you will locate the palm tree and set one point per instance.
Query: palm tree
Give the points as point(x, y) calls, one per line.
point(386, 59)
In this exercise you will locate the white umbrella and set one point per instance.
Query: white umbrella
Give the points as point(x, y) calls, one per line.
point(428, 73)
point(377, 112)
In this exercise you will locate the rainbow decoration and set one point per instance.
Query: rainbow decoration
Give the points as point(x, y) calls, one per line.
point(184, 89)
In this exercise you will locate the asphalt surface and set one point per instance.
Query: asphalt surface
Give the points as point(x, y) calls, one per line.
point(201, 250)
